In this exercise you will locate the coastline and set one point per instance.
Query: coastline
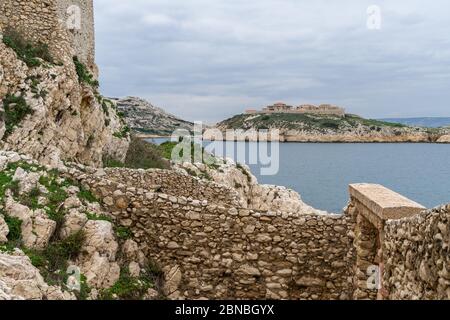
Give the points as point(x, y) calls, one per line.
point(319, 141)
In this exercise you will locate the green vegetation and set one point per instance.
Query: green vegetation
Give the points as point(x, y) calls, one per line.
point(140, 155)
point(95, 217)
point(199, 152)
point(87, 195)
point(15, 228)
point(28, 52)
point(52, 262)
point(16, 109)
point(112, 163)
point(133, 288)
point(124, 133)
point(354, 119)
point(84, 76)
point(123, 233)
point(304, 122)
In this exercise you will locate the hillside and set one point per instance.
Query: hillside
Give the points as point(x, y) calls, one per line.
point(429, 122)
point(327, 128)
point(145, 118)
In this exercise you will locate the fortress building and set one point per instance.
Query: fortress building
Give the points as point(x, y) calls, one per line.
point(324, 109)
point(66, 26)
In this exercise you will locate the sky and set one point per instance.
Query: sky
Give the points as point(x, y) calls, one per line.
point(207, 60)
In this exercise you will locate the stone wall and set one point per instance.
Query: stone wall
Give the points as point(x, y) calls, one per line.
point(173, 183)
point(46, 21)
point(417, 256)
point(384, 247)
point(402, 250)
point(213, 251)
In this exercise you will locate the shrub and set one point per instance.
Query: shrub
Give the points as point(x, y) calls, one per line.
point(199, 152)
point(16, 109)
point(25, 50)
point(87, 195)
point(144, 155)
point(15, 228)
point(123, 233)
point(109, 162)
point(123, 133)
point(52, 262)
point(84, 76)
point(128, 287)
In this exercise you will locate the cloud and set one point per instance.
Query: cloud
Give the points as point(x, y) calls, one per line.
point(206, 60)
point(158, 20)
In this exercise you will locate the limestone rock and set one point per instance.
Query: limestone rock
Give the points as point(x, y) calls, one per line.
point(74, 221)
point(20, 280)
point(4, 230)
point(37, 228)
point(140, 114)
point(68, 122)
point(27, 180)
point(99, 254)
point(172, 279)
point(131, 252)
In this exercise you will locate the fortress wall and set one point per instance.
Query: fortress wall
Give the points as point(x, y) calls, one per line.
point(46, 21)
point(212, 251)
point(83, 39)
point(417, 256)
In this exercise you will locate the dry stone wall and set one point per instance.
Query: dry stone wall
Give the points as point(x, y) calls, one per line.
point(174, 183)
point(215, 250)
point(209, 250)
point(417, 256)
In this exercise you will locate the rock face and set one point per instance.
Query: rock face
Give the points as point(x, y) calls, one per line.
point(444, 139)
point(316, 128)
point(143, 117)
point(99, 255)
point(252, 195)
point(19, 280)
point(66, 120)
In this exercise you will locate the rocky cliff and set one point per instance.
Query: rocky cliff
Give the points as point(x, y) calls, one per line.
point(145, 118)
point(53, 111)
point(324, 128)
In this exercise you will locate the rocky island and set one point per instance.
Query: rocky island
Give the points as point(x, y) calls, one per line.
point(327, 124)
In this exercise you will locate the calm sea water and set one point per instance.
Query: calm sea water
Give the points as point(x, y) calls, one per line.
point(321, 173)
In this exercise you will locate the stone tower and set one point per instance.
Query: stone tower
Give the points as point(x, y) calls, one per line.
point(66, 26)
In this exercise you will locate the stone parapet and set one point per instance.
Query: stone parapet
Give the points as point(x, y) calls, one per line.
point(383, 202)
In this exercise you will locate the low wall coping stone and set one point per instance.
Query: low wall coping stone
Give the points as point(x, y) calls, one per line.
point(383, 202)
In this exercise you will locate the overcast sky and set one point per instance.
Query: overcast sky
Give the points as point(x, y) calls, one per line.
point(210, 59)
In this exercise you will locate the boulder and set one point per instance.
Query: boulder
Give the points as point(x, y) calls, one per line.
point(74, 221)
point(27, 180)
point(97, 262)
point(20, 280)
point(37, 227)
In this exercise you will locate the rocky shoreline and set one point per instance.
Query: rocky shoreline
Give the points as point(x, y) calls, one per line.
point(322, 129)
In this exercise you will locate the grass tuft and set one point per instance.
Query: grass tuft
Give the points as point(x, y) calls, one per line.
point(28, 52)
